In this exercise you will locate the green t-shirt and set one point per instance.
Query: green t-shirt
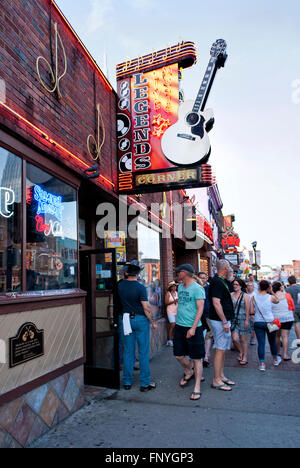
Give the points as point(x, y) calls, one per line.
point(187, 305)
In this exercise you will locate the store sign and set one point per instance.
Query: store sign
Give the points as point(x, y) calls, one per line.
point(148, 105)
point(28, 344)
point(7, 199)
point(232, 258)
point(230, 241)
point(116, 240)
point(48, 203)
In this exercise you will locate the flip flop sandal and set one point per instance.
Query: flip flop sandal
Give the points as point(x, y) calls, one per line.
point(195, 394)
point(186, 381)
point(244, 363)
point(229, 383)
point(222, 388)
point(287, 360)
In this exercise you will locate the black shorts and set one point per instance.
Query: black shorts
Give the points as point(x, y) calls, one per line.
point(287, 326)
point(193, 347)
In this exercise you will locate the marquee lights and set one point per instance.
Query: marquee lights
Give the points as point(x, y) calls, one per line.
point(44, 135)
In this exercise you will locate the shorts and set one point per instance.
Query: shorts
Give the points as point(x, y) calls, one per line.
point(287, 326)
point(222, 340)
point(297, 317)
point(193, 347)
point(172, 318)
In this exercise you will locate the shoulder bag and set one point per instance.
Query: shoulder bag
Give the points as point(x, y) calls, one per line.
point(272, 327)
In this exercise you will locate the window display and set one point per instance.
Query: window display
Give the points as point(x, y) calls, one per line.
point(52, 247)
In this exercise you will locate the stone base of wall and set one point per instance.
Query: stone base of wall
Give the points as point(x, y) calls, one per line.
point(159, 338)
point(27, 418)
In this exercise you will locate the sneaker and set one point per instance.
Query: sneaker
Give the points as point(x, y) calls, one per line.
point(252, 342)
point(278, 361)
point(262, 367)
point(170, 343)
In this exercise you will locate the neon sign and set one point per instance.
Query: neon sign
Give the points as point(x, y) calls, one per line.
point(48, 203)
point(7, 199)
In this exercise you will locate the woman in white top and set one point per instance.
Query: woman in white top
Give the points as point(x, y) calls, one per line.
point(284, 312)
point(171, 301)
point(261, 307)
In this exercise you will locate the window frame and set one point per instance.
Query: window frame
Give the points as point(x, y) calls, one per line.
point(61, 172)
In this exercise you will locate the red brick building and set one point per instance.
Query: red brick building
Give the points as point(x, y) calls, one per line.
point(57, 127)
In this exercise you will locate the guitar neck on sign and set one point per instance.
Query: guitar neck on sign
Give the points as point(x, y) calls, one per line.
point(187, 142)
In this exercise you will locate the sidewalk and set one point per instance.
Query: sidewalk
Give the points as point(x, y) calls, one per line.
point(262, 411)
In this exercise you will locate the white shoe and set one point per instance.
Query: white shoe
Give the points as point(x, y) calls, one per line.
point(262, 368)
point(278, 362)
point(170, 343)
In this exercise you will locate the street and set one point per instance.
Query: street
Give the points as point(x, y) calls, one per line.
point(262, 411)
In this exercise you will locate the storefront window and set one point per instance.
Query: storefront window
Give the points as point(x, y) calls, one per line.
point(10, 221)
point(149, 256)
point(52, 248)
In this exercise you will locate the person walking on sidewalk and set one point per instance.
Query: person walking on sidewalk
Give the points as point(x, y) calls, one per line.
point(284, 311)
point(208, 334)
point(136, 327)
point(221, 314)
point(188, 338)
point(294, 291)
point(171, 301)
point(250, 292)
point(261, 308)
point(240, 327)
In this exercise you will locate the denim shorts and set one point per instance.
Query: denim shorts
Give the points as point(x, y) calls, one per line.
point(222, 340)
point(193, 347)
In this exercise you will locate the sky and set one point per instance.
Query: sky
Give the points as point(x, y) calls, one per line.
point(255, 98)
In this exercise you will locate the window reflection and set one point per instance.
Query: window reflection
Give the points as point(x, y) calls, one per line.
point(51, 257)
point(149, 256)
point(10, 221)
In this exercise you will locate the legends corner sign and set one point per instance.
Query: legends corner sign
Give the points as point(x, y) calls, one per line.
point(28, 344)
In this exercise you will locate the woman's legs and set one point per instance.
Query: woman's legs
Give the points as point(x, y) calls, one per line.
point(244, 343)
point(285, 334)
point(260, 331)
point(237, 344)
point(171, 331)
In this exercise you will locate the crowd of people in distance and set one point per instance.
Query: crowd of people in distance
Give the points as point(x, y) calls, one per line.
point(206, 314)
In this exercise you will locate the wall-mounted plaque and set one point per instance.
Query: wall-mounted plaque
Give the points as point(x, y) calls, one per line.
point(28, 344)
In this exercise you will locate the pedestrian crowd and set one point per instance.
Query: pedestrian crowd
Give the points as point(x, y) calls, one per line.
point(203, 315)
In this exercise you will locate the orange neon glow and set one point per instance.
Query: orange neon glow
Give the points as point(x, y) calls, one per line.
point(53, 142)
point(82, 45)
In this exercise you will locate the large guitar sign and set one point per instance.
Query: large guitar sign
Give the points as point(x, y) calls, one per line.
point(187, 142)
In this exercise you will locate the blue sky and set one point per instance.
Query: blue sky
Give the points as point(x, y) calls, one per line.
point(255, 142)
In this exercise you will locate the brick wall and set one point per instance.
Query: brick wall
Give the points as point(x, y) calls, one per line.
point(24, 36)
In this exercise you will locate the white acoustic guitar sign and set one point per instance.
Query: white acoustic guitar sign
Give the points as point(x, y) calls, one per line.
point(187, 142)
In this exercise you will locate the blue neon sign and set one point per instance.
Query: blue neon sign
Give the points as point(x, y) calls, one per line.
point(48, 203)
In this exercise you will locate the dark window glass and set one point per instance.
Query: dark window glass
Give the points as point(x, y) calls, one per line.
point(10, 221)
point(52, 248)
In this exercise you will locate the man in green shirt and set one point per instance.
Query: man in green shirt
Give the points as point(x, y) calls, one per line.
point(189, 339)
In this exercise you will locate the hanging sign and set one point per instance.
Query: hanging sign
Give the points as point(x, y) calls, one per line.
point(148, 106)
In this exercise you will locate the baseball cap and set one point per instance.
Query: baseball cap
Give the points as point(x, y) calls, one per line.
point(187, 267)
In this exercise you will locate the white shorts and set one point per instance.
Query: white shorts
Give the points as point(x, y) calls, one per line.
point(172, 318)
point(222, 340)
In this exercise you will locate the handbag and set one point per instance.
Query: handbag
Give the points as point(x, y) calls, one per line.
point(272, 327)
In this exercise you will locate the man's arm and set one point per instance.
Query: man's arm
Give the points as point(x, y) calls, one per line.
point(219, 309)
point(200, 308)
point(148, 313)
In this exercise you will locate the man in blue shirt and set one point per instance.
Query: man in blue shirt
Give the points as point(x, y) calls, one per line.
point(188, 338)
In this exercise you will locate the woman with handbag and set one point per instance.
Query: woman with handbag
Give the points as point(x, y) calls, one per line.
point(240, 327)
point(284, 311)
point(261, 308)
point(171, 302)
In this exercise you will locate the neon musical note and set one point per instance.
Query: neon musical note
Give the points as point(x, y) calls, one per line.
point(54, 75)
point(127, 64)
point(97, 145)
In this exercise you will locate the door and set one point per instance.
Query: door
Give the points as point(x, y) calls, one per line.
point(98, 276)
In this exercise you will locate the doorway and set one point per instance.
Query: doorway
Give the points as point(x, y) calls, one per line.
point(98, 277)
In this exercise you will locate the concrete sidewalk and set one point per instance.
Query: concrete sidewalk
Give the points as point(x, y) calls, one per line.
point(262, 411)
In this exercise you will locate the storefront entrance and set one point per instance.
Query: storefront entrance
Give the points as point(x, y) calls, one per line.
point(98, 277)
